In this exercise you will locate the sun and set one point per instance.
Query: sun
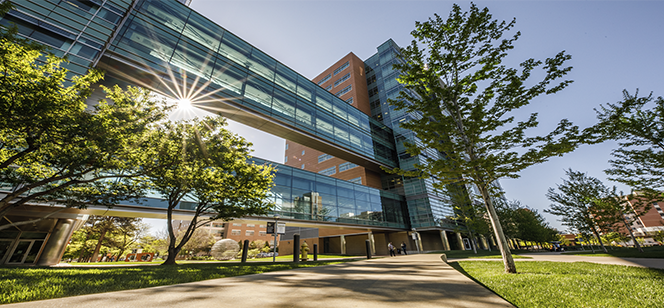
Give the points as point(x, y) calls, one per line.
point(184, 103)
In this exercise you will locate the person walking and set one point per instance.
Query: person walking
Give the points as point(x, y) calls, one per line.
point(403, 248)
point(390, 247)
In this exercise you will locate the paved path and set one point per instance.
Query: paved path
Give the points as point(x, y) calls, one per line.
point(558, 257)
point(404, 281)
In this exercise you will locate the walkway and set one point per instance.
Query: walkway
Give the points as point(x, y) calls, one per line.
point(558, 257)
point(403, 281)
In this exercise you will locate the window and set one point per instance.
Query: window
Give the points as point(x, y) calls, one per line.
point(346, 166)
point(302, 166)
point(286, 146)
point(349, 101)
point(326, 78)
point(285, 159)
point(249, 233)
point(344, 91)
point(235, 232)
point(328, 171)
point(262, 226)
point(341, 68)
point(342, 79)
point(357, 180)
point(302, 152)
point(237, 224)
point(324, 157)
point(251, 225)
point(328, 88)
point(262, 233)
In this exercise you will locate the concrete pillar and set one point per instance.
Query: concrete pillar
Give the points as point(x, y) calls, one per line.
point(343, 244)
point(370, 237)
point(446, 243)
point(460, 239)
point(57, 242)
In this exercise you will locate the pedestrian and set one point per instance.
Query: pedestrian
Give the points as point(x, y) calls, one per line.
point(390, 247)
point(403, 248)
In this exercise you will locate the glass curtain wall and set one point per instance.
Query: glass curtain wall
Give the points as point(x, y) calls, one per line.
point(177, 43)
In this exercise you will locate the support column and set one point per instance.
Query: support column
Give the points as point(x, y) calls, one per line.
point(370, 237)
point(460, 239)
point(57, 242)
point(343, 244)
point(446, 243)
point(484, 242)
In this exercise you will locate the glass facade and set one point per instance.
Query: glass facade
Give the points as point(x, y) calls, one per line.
point(301, 194)
point(167, 37)
point(76, 29)
point(425, 207)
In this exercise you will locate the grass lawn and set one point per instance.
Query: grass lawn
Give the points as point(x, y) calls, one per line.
point(22, 284)
point(622, 252)
point(560, 284)
point(482, 254)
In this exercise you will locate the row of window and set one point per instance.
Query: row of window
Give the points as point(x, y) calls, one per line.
point(341, 68)
point(342, 79)
point(345, 166)
point(344, 91)
point(324, 157)
point(326, 78)
point(349, 101)
point(342, 167)
point(248, 232)
point(329, 171)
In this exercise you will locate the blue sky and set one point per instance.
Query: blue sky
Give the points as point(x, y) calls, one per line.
point(615, 45)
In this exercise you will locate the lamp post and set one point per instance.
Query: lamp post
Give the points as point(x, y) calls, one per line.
point(274, 248)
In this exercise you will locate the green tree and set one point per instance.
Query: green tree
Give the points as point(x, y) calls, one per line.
point(659, 236)
point(125, 234)
point(618, 209)
point(461, 98)
point(575, 200)
point(55, 147)
point(205, 169)
point(639, 158)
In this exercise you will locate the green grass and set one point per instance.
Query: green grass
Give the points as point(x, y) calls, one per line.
point(622, 252)
point(30, 284)
point(560, 284)
point(482, 254)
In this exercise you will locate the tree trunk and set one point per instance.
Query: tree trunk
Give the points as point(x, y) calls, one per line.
point(510, 266)
point(472, 239)
point(98, 247)
point(600, 240)
point(636, 244)
point(172, 254)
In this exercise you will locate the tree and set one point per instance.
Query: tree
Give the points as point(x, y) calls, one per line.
point(575, 201)
point(460, 97)
point(126, 233)
point(53, 147)
point(618, 209)
point(659, 236)
point(639, 159)
point(207, 167)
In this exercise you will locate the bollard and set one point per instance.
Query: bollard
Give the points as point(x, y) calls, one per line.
point(245, 248)
point(315, 252)
point(368, 246)
point(296, 248)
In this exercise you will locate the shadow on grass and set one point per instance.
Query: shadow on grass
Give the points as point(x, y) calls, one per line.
point(455, 265)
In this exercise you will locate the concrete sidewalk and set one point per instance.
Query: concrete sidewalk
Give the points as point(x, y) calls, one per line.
point(404, 281)
point(558, 257)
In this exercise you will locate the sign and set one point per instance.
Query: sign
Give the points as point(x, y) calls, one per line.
point(281, 228)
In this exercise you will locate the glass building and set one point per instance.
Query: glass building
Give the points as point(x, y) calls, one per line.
point(163, 44)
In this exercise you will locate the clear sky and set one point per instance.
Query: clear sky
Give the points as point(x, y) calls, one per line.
point(615, 45)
